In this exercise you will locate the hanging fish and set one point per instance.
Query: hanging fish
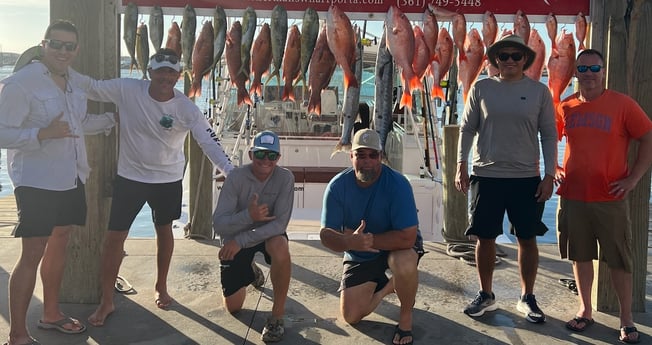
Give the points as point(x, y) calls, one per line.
point(233, 62)
point(458, 27)
point(219, 30)
point(322, 66)
point(442, 63)
point(130, 26)
point(421, 59)
point(173, 41)
point(430, 32)
point(561, 66)
point(142, 49)
point(489, 29)
point(309, 32)
point(261, 58)
point(279, 30)
point(551, 28)
point(188, 29)
point(522, 26)
point(248, 30)
point(341, 41)
point(156, 27)
point(351, 100)
point(400, 42)
point(202, 58)
point(383, 92)
point(580, 30)
point(291, 62)
point(470, 67)
point(535, 71)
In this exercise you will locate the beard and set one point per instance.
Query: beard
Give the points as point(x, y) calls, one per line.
point(366, 175)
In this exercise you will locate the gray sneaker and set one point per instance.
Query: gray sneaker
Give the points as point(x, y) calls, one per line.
point(528, 306)
point(482, 302)
point(273, 330)
point(259, 276)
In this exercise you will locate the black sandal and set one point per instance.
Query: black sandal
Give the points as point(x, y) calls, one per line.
point(402, 334)
point(629, 330)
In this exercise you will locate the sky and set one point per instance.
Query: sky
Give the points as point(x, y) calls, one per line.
point(22, 23)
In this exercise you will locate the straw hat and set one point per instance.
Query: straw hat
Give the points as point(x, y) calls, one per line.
point(511, 41)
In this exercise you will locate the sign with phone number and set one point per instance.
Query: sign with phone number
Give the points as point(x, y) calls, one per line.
point(507, 7)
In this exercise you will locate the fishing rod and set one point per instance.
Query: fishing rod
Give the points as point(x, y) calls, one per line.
point(430, 122)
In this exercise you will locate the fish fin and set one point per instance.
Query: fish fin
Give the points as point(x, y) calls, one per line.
point(350, 80)
point(559, 120)
point(288, 92)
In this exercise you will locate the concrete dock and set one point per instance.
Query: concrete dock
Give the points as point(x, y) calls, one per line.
point(197, 315)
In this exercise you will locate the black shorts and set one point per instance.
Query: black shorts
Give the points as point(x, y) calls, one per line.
point(356, 273)
point(492, 197)
point(40, 210)
point(129, 197)
point(237, 273)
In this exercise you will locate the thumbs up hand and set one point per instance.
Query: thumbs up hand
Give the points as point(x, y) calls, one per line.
point(259, 213)
point(360, 241)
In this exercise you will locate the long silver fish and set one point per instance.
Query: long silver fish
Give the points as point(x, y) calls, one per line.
point(383, 94)
point(142, 49)
point(156, 27)
point(351, 99)
point(130, 25)
point(248, 30)
point(309, 32)
point(219, 30)
point(279, 26)
point(188, 29)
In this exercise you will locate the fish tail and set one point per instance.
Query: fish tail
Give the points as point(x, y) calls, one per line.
point(195, 88)
point(288, 92)
point(581, 46)
point(559, 120)
point(243, 96)
point(350, 80)
point(256, 88)
point(406, 99)
point(437, 91)
point(314, 106)
point(415, 83)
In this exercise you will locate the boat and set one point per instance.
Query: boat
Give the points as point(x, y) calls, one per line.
point(307, 149)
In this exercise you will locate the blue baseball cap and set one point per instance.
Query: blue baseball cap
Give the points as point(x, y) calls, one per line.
point(266, 141)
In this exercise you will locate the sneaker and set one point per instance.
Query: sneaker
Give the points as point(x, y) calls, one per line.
point(259, 276)
point(273, 330)
point(482, 302)
point(528, 306)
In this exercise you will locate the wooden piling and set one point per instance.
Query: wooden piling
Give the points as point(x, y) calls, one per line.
point(455, 203)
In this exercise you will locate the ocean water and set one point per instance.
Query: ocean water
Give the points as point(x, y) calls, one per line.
point(143, 228)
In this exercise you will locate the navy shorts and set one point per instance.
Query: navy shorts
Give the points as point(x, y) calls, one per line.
point(40, 210)
point(237, 273)
point(492, 197)
point(129, 197)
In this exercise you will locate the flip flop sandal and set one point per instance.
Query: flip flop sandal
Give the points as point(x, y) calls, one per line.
point(628, 330)
point(123, 286)
point(402, 334)
point(58, 325)
point(579, 320)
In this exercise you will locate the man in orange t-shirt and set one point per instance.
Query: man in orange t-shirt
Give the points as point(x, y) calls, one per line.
point(593, 183)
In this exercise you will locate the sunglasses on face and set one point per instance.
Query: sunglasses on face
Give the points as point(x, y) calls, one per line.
point(592, 68)
point(371, 155)
point(57, 45)
point(516, 56)
point(170, 58)
point(271, 155)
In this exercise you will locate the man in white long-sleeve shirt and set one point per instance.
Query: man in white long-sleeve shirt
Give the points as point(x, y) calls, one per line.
point(154, 121)
point(43, 120)
point(252, 215)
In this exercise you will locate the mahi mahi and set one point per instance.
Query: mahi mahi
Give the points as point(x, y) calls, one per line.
point(219, 30)
point(130, 26)
point(142, 49)
point(188, 28)
point(309, 33)
point(248, 30)
point(156, 27)
point(279, 30)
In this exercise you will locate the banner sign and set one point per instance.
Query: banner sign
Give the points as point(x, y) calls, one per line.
point(371, 7)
